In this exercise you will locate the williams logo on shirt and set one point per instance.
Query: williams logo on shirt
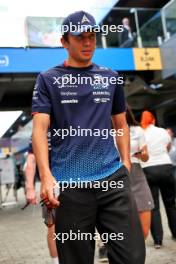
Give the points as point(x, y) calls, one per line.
point(100, 82)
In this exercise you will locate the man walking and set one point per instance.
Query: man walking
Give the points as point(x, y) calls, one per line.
point(80, 116)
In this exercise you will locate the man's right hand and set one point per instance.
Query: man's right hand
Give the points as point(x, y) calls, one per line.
point(47, 191)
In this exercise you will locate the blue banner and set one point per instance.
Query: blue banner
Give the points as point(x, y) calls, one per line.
point(34, 60)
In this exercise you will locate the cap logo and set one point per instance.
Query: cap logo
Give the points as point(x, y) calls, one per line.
point(85, 19)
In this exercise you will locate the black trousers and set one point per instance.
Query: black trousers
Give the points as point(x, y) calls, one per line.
point(160, 178)
point(111, 212)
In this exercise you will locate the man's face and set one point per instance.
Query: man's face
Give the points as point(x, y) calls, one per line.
point(125, 22)
point(81, 48)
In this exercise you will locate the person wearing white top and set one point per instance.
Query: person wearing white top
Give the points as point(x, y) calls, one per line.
point(172, 151)
point(158, 170)
point(139, 185)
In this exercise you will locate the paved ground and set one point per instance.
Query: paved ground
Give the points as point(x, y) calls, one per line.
point(23, 238)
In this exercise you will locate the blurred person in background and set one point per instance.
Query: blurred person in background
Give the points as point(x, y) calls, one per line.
point(32, 174)
point(126, 36)
point(172, 152)
point(158, 170)
point(139, 185)
point(19, 161)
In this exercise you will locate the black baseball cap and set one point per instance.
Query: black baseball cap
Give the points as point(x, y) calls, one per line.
point(77, 23)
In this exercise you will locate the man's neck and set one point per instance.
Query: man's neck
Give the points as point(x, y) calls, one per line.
point(73, 63)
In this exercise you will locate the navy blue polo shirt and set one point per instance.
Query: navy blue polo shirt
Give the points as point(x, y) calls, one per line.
point(85, 107)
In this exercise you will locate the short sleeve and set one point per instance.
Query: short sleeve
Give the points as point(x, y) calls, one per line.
point(41, 99)
point(118, 104)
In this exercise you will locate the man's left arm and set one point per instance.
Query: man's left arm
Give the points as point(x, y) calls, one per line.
point(122, 141)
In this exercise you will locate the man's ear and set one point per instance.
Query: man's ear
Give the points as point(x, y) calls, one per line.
point(64, 43)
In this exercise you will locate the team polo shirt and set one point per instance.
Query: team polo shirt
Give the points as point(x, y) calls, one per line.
point(85, 107)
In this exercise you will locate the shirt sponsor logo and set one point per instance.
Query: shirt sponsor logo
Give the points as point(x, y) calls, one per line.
point(68, 93)
point(101, 93)
point(100, 82)
point(101, 100)
point(105, 100)
point(65, 81)
point(103, 68)
point(72, 101)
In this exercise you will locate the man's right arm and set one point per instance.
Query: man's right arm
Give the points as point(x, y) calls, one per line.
point(41, 123)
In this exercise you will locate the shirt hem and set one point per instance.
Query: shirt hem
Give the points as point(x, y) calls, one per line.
point(96, 177)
